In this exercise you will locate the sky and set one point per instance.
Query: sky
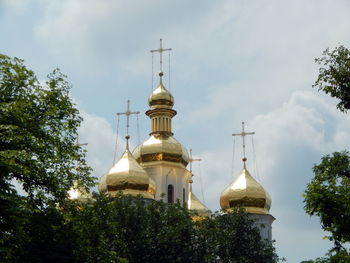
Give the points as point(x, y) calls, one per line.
point(231, 61)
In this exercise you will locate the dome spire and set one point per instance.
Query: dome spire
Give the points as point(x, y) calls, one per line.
point(127, 137)
point(161, 74)
point(244, 163)
point(161, 146)
point(161, 111)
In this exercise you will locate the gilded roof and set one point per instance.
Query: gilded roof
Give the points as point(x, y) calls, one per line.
point(159, 148)
point(247, 192)
point(197, 206)
point(129, 177)
point(161, 97)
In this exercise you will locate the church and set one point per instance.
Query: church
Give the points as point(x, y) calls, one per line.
point(157, 169)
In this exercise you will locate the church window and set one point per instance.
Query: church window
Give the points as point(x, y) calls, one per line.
point(170, 193)
point(183, 196)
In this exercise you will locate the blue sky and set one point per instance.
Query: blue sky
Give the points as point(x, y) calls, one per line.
point(232, 61)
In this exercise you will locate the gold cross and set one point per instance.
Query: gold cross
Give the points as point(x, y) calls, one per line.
point(243, 134)
point(128, 113)
point(191, 160)
point(80, 144)
point(160, 50)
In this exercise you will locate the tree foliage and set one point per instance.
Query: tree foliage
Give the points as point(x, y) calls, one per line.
point(38, 132)
point(127, 229)
point(328, 196)
point(135, 230)
point(231, 238)
point(38, 151)
point(334, 75)
point(341, 256)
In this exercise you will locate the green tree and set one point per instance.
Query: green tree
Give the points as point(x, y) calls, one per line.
point(334, 75)
point(131, 229)
point(340, 257)
point(38, 132)
point(328, 196)
point(233, 238)
point(38, 151)
point(135, 230)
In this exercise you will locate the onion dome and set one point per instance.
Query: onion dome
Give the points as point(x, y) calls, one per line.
point(161, 97)
point(245, 191)
point(76, 192)
point(195, 205)
point(128, 177)
point(166, 149)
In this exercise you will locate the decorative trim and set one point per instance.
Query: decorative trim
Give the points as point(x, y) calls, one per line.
point(154, 157)
point(165, 112)
point(126, 185)
point(246, 201)
point(161, 102)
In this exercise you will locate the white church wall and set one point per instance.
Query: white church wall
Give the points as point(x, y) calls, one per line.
point(264, 224)
point(165, 174)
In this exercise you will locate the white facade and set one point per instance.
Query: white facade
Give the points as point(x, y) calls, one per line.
point(166, 175)
point(264, 224)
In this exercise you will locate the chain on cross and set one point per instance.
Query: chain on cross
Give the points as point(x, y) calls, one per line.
point(127, 113)
point(160, 50)
point(243, 134)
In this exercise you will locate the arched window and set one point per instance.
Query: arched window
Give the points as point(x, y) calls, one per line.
point(183, 197)
point(170, 193)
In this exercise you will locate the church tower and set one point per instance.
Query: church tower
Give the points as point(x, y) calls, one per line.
point(162, 156)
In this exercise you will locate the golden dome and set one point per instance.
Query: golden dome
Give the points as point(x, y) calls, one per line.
point(158, 148)
point(247, 192)
point(161, 97)
point(129, 177)
point(76, 192)
point(197, 206)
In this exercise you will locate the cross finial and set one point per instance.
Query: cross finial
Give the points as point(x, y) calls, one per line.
point(128, 113)
point(191, 160)
point(243, 134)
point(80, 144)
point(160, 50)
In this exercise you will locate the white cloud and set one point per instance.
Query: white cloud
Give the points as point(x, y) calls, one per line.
point(102, 151)
point(288, 140)
point(99, 135)
point(14, 4)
